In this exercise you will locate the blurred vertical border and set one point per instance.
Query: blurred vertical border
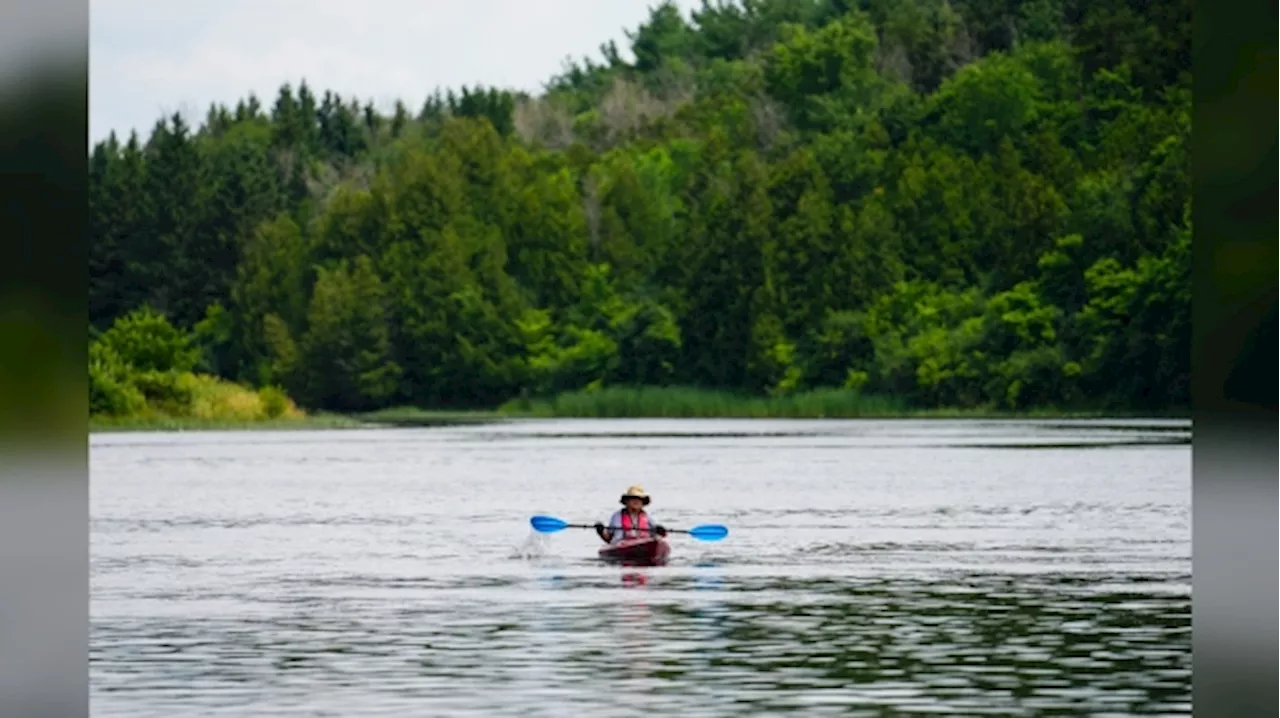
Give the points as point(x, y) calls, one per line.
point(44, 487)
point(1234, 361)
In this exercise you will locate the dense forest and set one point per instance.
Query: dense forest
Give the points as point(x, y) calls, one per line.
point(975, 203)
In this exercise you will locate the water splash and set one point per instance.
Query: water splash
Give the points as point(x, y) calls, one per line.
point(536, 546)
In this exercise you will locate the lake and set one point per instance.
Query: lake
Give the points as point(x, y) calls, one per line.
point(873, 568)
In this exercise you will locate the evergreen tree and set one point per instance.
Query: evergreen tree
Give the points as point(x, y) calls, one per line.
point(974, 203)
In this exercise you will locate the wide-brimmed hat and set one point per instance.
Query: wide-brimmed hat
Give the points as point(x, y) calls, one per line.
point(636, 492)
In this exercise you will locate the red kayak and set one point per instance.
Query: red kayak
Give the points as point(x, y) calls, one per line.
point(637, 552)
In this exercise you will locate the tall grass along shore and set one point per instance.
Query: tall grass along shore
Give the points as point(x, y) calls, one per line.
point(689, 403)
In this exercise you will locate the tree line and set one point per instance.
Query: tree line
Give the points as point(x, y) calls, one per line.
point(968, 203)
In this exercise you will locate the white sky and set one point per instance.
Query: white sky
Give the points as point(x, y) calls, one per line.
point(155, 57)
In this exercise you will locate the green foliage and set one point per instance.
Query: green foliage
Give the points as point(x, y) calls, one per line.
point(111, 391)
point(1061, 274)
point(969, 204)
point(159, 385)
point(662, 40)
point(607, 339)
point(827, 76)
point(922, 40)
point(1136, 325)
point(838, 349)
point(214, 335)
point(688, 403)
point(452, 317)
point(145, 340)
point(346, 349)
point(168, 391)
point(275, 403)
point(985, 103)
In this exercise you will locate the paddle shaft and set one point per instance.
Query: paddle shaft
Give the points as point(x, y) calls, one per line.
point(551, 524)
point(619, 528)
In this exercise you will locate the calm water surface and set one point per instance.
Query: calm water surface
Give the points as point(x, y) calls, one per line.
point(873, 568)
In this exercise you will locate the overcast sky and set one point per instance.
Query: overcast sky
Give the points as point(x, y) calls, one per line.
point(154, 57)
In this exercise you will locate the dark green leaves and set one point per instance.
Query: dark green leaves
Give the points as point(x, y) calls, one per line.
point(972, 203)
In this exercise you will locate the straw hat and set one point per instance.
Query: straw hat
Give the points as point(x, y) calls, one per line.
point(636, 492)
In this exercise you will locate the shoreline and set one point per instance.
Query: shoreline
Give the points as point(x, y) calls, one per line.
point(425, 418)
point(387, 418)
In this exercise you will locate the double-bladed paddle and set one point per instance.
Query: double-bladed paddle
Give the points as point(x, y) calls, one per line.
point(705, 532)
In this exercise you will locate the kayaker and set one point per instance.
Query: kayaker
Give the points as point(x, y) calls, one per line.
point(631, 521)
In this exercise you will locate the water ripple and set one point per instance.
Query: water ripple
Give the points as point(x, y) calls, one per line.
point(394, 573)
point(1002, 644)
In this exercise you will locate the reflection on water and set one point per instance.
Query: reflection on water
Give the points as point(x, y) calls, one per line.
point(970, 645)
point(227, 581)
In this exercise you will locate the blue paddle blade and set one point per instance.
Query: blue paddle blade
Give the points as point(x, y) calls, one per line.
point(547, 524)
point(709, 532)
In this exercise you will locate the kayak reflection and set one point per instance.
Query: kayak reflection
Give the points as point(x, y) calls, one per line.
point(635, 636)
point(634, 578)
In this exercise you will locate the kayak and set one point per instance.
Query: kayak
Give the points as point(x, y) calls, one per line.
point(637, 552)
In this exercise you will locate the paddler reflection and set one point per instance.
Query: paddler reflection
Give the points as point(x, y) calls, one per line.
point(635, 636)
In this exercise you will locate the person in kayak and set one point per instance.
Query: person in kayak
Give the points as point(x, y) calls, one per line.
point(631, 521)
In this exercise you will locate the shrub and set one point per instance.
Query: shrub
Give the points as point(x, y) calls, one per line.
point(212, 398)
point(111, 390)
point(111, 396)
point(275, 403)
point(147, 341)
point(170, 392)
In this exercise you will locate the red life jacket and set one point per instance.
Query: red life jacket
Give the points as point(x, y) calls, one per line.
point(629, 529)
